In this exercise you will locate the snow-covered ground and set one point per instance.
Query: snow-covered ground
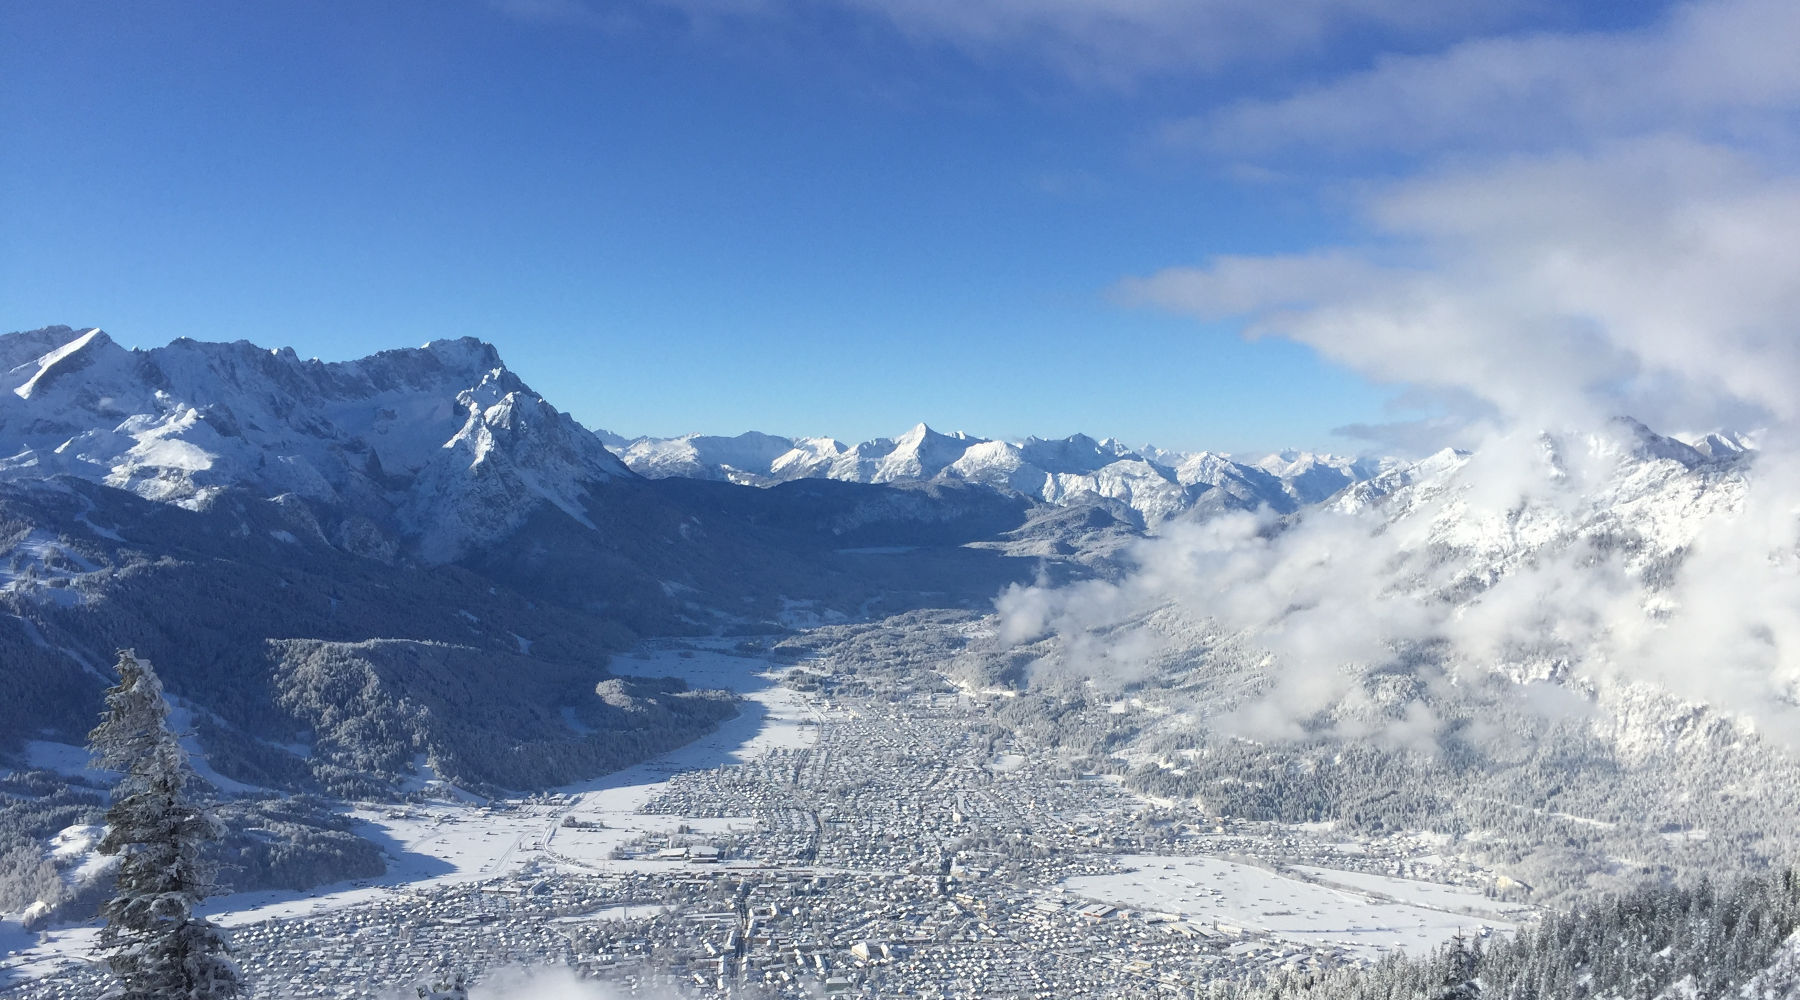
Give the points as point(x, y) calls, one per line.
point(453, 841)
point(1367, 914)
point(1431, 895)
point(66, 760)
point(449, 842)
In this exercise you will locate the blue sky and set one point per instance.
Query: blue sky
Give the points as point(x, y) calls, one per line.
point(835, 217)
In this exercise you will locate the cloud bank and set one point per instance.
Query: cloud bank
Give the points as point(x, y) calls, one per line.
point(1722, 69)
point(1556, 230)
point(1580, 560)
point(1655, 277)
point(544, 982)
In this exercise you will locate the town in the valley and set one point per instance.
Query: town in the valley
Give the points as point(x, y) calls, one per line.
point(831, 840)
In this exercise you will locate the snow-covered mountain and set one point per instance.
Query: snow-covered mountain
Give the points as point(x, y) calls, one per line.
point(1158, 484)
point(442, 438)
point(253, 521)
point(453, 450)
point(1503, 506)
point(1631, 565)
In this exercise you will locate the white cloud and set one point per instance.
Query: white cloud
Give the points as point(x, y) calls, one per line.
point(1124, 38)
point(1718, 68)
point(1509, 567)
point(1655, 277)
point(545, 982)
point(1590, 225)
point(530, 983)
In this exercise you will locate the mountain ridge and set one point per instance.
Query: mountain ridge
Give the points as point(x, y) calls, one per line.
point(1156, 483)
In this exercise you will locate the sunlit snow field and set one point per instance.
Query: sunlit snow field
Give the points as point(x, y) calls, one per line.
point(1369, 914)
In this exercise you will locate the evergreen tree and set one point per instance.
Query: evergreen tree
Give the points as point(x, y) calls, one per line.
point(152, 941)
point(1461, 963)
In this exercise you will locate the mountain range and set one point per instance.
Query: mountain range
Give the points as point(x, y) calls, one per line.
point(267, 528)
point(1155, 483)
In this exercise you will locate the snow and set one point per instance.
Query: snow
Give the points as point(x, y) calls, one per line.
point(73, 841)
point(181, 423)
point(1431, 895)
point(76, 850)
point(1158, 484)
point(181, 720)
point(64, 759)
point(622, 911)
point(48, 362)
point(450, 842)
point(39, 567)
point(26, 955)
point(1363, 919)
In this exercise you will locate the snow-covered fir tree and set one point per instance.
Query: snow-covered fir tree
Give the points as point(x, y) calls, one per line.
point(155, 945)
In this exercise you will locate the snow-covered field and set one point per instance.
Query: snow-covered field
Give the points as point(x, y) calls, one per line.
point(1367, 914)
point(1431, 895)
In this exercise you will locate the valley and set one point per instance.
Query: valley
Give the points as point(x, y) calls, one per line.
point(900, 500)
point(934, 716)
point(844, 844)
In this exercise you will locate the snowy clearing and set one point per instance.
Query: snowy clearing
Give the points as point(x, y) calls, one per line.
point(1234, 896)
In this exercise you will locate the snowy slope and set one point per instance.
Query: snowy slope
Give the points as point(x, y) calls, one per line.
point(442, 439)
point(1500, 508)
point(699, 456)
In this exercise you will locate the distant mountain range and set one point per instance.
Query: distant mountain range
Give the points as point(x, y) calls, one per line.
point(272, 529)
point(1155, 483)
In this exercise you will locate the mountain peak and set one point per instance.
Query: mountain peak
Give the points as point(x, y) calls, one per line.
point(1641, 442)
point(462, 449)
point(70, 357)
point(920, 431)
point(465, 353)
point(1723, 444)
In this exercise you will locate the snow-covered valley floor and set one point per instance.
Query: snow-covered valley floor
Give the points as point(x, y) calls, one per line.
point(457, 841)
point(881, 836)
point(1366, 914)
point(461, 839)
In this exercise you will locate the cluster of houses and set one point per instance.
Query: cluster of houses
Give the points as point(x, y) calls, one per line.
point(911, 852)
